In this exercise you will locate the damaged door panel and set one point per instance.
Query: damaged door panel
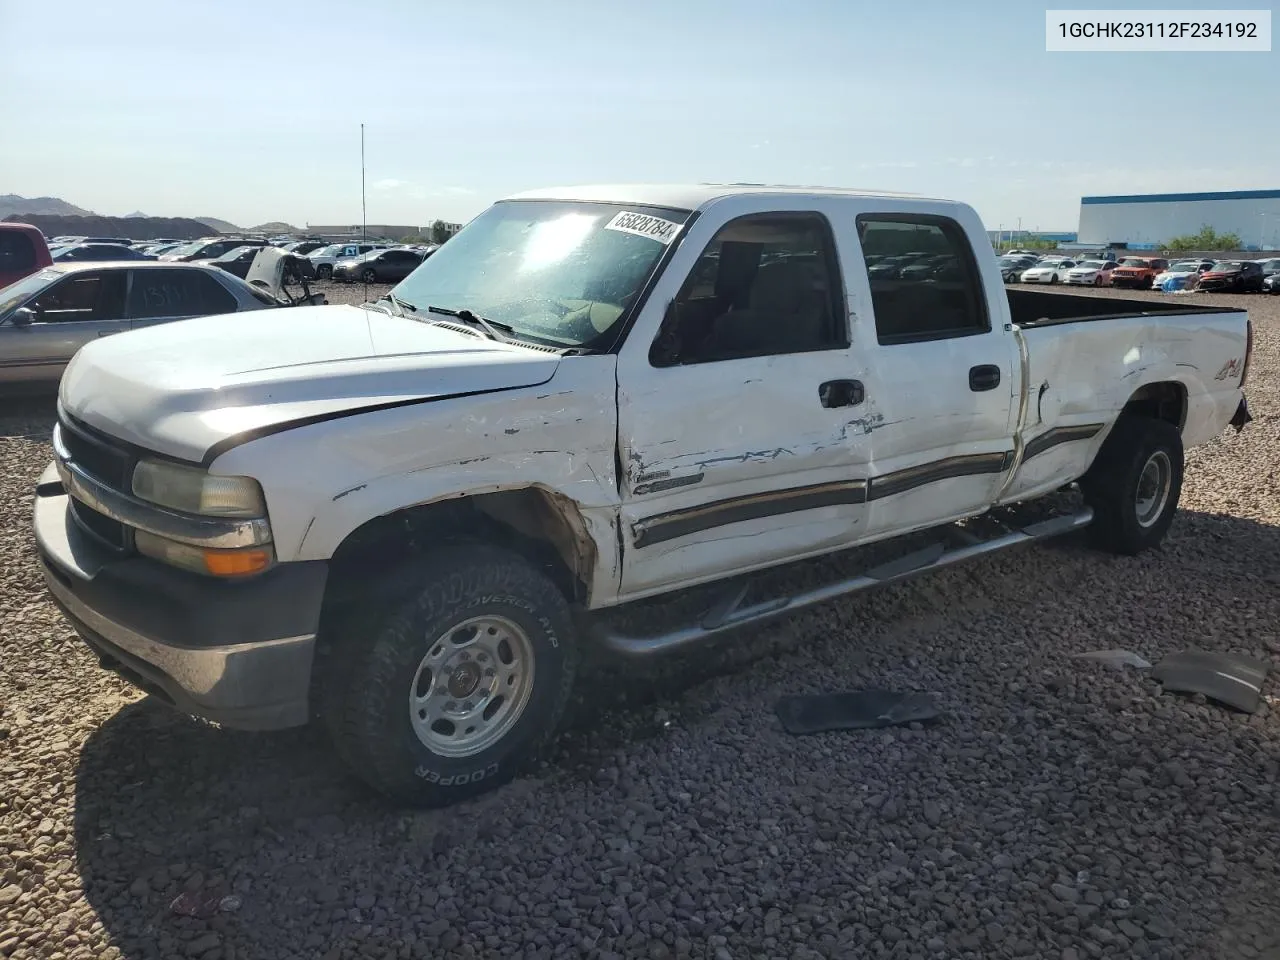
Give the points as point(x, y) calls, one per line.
point(944, 372)
point(736, 432)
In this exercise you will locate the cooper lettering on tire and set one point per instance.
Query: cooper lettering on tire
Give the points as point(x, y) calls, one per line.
point(456, 686)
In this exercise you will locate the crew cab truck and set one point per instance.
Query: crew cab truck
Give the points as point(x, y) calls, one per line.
point(406, 519)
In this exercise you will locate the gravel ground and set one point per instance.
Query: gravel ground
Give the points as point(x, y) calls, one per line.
point(1062, 810)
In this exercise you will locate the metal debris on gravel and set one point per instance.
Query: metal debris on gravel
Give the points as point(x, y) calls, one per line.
point(1060, 813)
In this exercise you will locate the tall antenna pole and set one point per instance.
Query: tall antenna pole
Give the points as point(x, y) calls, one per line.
point(364, 217)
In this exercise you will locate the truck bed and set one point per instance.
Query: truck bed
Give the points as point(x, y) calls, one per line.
point(1038, 308)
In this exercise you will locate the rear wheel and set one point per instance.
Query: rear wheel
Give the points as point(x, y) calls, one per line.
point(452, 681)
point(1134, 485)
point(370, 275)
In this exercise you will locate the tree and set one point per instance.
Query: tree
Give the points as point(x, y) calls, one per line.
point(1206, 239)
point(439, 232)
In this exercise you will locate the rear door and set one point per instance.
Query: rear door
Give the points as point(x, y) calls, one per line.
point(942, 374)
point(78, 309)
point(164, 294)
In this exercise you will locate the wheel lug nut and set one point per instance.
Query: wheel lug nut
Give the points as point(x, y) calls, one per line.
point(490, 672)
point(451, 705)
point(465, 656)
point(466, 705)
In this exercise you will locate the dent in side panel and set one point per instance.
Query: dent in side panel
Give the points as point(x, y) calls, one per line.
point(558, 436)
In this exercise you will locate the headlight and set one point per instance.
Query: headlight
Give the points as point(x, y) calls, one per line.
point(191, 490)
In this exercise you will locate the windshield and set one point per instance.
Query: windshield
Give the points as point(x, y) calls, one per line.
point(1091, 265)
point(557, 272)
point(328, 251)
point(1133, 262)
point(16, 294)
point(185, 249)
point(1184, 266)
point(1227, 266)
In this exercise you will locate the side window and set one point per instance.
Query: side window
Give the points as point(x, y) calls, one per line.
point(82, 297)
point(766, 284)
point(928, 302)
point(177, 293)
point(17, 252)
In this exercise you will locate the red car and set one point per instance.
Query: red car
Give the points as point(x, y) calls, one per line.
point(1137, 271)
point(22, 252)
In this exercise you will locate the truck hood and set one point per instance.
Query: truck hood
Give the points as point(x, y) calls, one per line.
point(182, 388)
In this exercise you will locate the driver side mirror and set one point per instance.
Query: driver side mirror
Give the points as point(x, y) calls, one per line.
point(24, 317)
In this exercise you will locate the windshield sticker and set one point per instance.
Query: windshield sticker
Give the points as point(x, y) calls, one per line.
point(643, 225)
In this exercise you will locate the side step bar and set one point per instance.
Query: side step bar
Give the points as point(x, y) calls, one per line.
point(729, 613)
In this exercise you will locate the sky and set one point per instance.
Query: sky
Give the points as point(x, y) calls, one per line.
point(251, 111)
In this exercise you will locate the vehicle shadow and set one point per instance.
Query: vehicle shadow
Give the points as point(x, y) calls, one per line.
point(166, 804)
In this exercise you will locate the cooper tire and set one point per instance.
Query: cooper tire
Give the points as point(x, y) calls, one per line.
point(378, 651)
point(1134, 485)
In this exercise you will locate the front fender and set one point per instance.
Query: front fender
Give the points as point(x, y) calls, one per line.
point(324, 480)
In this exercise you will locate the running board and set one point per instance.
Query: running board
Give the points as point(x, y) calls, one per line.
point(729, 612)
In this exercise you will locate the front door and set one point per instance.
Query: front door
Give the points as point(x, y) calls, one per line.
point(78, 309)
point(735, 422)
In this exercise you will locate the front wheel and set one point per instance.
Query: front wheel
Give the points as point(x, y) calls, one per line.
point(370, 275)
point(324, 272)
point(1134, 484)
point(1097, 281)
point(458, 685)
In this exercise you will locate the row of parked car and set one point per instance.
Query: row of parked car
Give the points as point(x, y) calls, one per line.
point(371, 262)
point(1149, 273)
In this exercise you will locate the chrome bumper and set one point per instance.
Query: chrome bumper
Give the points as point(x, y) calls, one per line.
point(175, 636)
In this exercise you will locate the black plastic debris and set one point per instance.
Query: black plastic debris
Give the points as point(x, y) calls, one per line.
point(853, 710)
point(1226, 678)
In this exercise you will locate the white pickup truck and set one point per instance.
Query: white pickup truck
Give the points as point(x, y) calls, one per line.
point(406, 519)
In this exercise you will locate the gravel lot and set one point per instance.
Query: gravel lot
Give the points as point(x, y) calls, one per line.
point(1062, 810)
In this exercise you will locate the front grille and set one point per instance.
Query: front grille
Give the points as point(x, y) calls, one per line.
point(111, 532)
point(96, 456)
point(99, 457)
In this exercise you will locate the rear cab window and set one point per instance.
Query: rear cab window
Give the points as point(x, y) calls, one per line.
point(913, 297)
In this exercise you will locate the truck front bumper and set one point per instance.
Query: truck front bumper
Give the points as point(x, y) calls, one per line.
point(238, 653)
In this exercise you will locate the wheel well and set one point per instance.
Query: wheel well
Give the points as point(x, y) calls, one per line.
point(540, 525)
point(1165, 401)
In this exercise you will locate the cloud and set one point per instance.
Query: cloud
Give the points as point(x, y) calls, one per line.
point(420, 191)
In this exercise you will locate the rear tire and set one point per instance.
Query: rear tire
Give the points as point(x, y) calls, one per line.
point(1134, 485)
point(370, 275)
point(451, 680)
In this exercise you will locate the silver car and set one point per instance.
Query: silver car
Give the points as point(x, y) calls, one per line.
point(46, 317)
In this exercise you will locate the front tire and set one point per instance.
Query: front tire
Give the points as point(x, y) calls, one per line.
point(324, 272)
point(370, 275)
point(455, 680)
point(1134, 485)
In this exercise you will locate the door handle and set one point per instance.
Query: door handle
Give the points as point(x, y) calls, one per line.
point(985, 376)
point(841, 393)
